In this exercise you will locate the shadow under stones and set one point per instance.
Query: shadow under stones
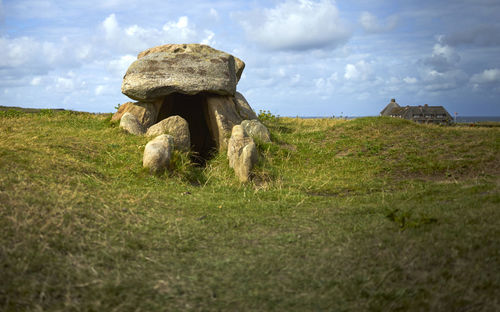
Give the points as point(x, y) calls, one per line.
point(193, 108)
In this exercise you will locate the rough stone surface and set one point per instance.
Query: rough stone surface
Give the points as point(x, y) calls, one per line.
point(187, 69)
point(243, 108)
point(129, 123)
point(192, 48)
point(256, 130)
point(177, 127)
point(240, 66)
point(222, 116)
point(158, 152)
point(146, 113)
point(242, 153)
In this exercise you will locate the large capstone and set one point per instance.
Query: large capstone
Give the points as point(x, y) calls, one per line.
point(187, 69)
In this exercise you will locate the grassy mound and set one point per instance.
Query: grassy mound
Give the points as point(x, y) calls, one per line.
point(368, 214)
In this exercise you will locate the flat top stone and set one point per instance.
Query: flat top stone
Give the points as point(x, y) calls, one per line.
point(187, 69)
point(193, 48)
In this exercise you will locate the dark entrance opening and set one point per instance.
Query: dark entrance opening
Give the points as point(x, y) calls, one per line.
point(192, 109)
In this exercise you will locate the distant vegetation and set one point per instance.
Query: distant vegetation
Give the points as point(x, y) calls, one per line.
point(368, 214)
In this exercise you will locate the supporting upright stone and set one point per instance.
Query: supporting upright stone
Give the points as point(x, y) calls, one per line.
point(222, 117)
point(242, 153)
point(146, 113)
point(243, 108)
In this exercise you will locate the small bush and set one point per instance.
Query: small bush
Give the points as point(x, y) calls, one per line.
point(267, 116)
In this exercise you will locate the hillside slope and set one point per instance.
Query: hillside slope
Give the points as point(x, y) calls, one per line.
point(368, 214)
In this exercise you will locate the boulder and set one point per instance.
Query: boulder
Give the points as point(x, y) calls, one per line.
point(242, 153)
point(146, 113)
point(129, 123)
point(256, 130)
point(192, 48)
point(187, 69)
point(222, 116)
point(177, 127)
point(243, 108)
point(158, 152)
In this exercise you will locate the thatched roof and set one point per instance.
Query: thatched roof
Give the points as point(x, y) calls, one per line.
point(422, 113)
point(387, 110)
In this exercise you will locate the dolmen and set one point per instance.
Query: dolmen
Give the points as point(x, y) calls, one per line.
point(188, 92)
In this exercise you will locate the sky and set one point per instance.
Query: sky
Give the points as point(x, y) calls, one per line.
point(303, 57)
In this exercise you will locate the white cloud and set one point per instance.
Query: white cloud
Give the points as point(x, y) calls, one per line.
point(18, 51)
point(441, 71)
point(36, 81)
point(441, 81)
point(119, 66)
point(100, 89)
point(410, 80)
point(443, 58)
point(64, 84)
point(359, 71)
point(110, 25)
point(326, 85)
point(134, 38)
point(209, 39)
point(28, 56)
point(297, 25)
point(180, 31)
point(350, 72)
point(487, 76)
point(371, 23)
point(281, 72)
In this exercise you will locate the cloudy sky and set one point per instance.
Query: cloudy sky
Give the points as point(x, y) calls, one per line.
point(303, 57)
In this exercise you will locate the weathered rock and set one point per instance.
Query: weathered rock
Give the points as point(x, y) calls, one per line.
point(256, 130)
point(146, 113)
point(242, 153)
point(177, 127)
point(243, 108)
point(192, 48)
point(240, 66)
point(222, 116)
point(129, 123)
point(158, 152)
point(187, 69)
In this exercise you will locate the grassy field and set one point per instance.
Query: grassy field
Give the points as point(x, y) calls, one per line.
point(373, 214)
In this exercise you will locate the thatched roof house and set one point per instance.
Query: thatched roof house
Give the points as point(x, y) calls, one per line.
point(420, 114)
point(392, 105)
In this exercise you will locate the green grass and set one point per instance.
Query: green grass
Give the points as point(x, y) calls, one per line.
point(374, 214)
